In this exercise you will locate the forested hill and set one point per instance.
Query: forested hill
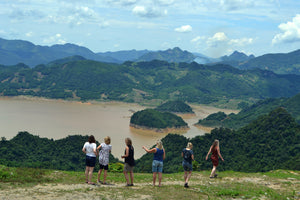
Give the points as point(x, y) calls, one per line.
point(26, 150)
point(142, 81)
point(250, 113)
point(270, 142)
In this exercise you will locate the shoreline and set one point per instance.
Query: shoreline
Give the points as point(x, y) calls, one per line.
point(159, 130)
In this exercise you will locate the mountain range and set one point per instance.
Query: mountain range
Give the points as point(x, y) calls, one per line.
point(81, 79)
point(13, 52)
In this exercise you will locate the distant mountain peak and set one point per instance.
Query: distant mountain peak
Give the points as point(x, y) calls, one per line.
point(237, 56)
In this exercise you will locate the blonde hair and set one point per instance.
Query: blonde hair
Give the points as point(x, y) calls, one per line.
point(107, 140)
point(189, 145)
point(159, 144)
point(128, 141)
point(215, 144)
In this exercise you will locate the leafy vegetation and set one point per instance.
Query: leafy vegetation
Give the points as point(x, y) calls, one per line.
point(144, 81)
point(250, 113)
point(269, 142)
point(175, 107)
point(26, 150)
point(150, 118)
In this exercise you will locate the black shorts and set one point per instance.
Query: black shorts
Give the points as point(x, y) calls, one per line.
point(105, 167)
point(90, 161)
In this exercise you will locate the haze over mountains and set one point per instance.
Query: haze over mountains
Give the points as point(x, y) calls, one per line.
point(19, 51)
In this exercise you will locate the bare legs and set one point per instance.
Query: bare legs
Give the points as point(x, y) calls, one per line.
point(213, 172)
point(104, 175)
point(187, 176)
point(127, 178)
point(89, 174)
point(159, 178)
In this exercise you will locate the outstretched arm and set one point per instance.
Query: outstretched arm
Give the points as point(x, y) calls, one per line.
point(153, 150)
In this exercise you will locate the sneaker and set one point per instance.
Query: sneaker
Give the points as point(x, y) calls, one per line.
point(186, 185)
point(215, 175)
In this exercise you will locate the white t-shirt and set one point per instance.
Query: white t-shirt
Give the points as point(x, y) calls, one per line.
point(104, 154)
point(89, 149)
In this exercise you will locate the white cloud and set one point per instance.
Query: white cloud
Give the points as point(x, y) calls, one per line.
point(56, 39)
point(241, 41)
point(290, 31)
point(217, 39)
point(184, 29)
point(148, 12)
point(29, 34)
point(197, 39)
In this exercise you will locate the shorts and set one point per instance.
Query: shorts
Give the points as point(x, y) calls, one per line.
point(187, 166)
point(105, 167)
point(128, 168)
point(90, 161)
point(157, 166)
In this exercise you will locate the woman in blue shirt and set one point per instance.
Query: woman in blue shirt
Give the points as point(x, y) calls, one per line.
point(157, 163)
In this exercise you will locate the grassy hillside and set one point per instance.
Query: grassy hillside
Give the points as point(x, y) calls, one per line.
point(26, 183)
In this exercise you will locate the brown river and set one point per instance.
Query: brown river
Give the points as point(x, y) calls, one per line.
point(57, 119)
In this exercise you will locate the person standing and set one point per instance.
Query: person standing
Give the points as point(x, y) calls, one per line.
point(105, 150)
point(188, 157)
point(89, 148)
point(129, 161)
point(157, 163)
point(215, 151)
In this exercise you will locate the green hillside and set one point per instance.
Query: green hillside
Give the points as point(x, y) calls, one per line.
point(250, 113)
point(281, 63)
point(269, 142)
point(145, 81)
point(150, 118)
point(32, 151)
point(175, 107)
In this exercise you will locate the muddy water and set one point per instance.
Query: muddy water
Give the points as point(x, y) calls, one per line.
point(58, 119)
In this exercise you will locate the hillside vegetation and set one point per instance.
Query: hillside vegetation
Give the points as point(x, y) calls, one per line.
point(144, 81)
point(250, 113)
point(269, 142)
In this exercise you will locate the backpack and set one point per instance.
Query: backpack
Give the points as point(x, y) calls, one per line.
point(187, 154)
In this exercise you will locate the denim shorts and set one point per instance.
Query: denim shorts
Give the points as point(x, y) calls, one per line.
point(90, 161)
point(187, 166)
point(157, 166)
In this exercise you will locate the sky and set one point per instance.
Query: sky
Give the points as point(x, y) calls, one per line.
point(210, 27)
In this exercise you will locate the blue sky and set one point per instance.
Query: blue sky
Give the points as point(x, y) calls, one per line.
point(210, 27)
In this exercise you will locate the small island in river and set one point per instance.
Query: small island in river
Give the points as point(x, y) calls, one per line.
point(152, 119)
